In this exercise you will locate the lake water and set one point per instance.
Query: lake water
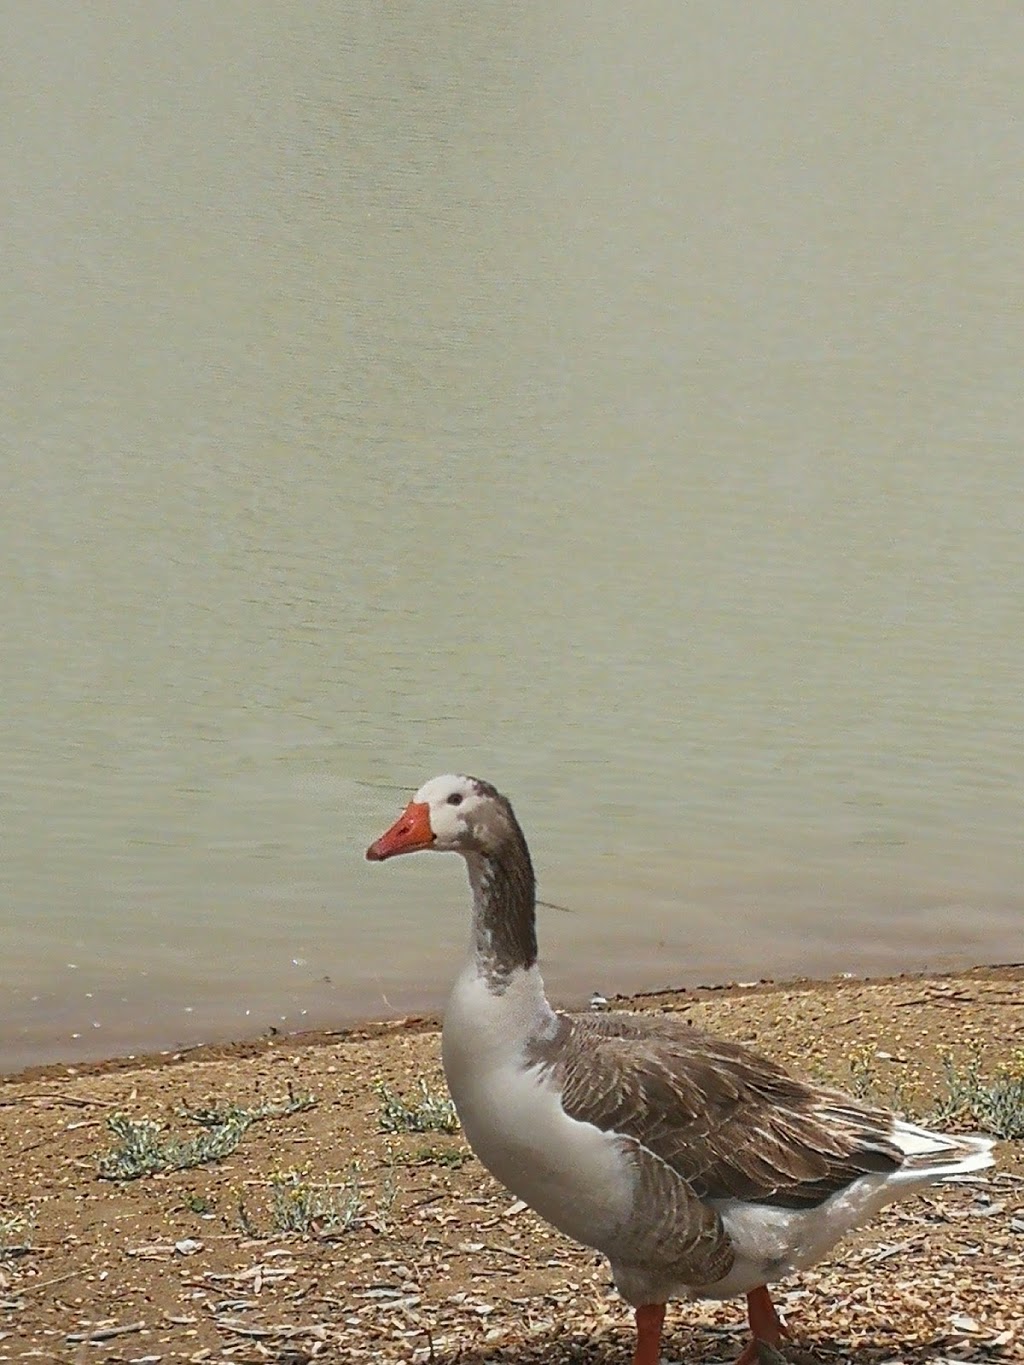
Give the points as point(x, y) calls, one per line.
point(622, 405)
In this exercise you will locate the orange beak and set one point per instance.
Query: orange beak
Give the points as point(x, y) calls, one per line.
point(410, 832)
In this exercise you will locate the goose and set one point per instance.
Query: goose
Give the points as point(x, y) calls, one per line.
point(699, 1168)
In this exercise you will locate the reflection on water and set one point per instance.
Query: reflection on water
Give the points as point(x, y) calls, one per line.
point(629, 413)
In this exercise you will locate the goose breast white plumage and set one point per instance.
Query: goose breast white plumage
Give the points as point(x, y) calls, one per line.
point(571, 1173)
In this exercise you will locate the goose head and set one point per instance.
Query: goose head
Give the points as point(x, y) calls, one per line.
point(449, 814)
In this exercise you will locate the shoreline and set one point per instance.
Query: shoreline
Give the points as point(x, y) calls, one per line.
point(364, 1030)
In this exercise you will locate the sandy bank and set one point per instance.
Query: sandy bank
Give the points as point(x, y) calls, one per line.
point(436, 1264)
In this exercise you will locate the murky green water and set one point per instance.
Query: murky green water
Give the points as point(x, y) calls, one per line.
point(629, 412)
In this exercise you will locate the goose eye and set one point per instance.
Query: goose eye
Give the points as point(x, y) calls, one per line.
point(455, 799)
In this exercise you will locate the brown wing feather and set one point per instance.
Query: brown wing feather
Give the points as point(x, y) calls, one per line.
point(728, 1121)
point(674, 1229)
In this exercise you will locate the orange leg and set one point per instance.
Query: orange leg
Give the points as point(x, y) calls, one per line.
point(648, 1333)
point(765, 1325)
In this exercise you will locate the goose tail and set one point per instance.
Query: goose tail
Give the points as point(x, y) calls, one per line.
point(932, 1157)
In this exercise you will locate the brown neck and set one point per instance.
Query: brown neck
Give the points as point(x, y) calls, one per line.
point(504, 896)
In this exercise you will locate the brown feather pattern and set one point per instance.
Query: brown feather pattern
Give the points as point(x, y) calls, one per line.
point(727, 1121)
point(678, 1232)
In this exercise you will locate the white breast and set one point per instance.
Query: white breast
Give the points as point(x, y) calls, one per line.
point(574, 1175)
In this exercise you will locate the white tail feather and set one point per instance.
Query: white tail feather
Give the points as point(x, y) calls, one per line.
point(933, 1156)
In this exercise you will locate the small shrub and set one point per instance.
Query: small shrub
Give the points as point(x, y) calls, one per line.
point(995, 1106)
point(298, 1205)
point(1004, 1107)
point(429, 1114)
point(143, 1150)
point(317, 1208)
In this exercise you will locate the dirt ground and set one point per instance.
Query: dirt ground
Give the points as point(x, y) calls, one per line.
point(412, 1253)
